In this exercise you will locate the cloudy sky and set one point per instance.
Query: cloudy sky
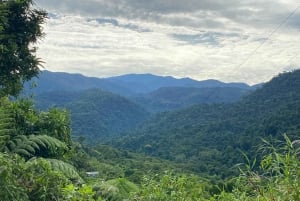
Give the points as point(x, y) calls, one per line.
point(232, 40)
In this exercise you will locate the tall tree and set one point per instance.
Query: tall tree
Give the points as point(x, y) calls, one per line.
point(20, 29)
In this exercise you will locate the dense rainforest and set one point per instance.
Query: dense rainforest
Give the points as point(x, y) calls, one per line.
point(218, 133)
point(235, 149)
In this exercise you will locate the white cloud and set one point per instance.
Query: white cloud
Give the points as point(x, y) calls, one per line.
point(204, 41)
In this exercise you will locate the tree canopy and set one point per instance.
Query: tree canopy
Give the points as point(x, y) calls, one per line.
point(20, 30)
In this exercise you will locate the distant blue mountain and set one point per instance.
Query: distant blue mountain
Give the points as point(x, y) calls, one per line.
point(59, 81)
point(126, 85)
point(145, 83)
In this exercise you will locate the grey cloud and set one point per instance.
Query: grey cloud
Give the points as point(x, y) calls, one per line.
point(294, 21)
point(207, 38)
point(163, 11)
point(107, 21)
point(115, 22)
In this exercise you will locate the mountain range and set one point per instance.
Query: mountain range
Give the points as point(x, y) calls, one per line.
point(154, 93)
point(105, 107)
point(125, 85)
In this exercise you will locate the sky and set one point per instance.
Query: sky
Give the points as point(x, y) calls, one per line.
point(233, 41)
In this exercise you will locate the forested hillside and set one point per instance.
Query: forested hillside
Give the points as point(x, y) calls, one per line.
point(210, 138)
point(95, 114)
point(174, 98)
point(98, 115)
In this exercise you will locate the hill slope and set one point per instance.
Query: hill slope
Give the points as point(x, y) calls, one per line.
point(174, 98)
point(208, 138)
point(95, 114)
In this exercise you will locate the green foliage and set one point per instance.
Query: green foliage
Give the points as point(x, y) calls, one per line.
point(20, 29)
point(42, 182)
point(112, 163)
point(10, 168)
point(35, 145)
point(37, 179)
point(277, 179)
point(54, 122)
point(60, 166)
point(7, 124)
point(34, 180)
point(115, 189)
point(15, 138)
point(75, 193)
point(171, 187)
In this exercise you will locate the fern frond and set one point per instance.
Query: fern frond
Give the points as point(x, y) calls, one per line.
point(38, 141)
point(66, 168)
point(7, 127)
point(30, 144)
point(49, 142)
point(22, 152)
point(34, 145)
point(11, 145)
point(60, 166)
point(13, 141)
point(27, 147)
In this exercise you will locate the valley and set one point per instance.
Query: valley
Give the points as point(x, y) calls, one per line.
point(212, 121)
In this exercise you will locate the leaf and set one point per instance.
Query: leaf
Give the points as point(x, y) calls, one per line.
point(65, 168)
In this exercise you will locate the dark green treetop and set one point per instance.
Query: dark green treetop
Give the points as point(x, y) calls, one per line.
point(20, 29)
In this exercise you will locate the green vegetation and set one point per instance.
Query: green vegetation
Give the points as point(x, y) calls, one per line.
point(276, 179)
point(32, 166)
point(175, 98)
point(20, 29)
point(208, 139)
point(202, 147)
point(96, 114)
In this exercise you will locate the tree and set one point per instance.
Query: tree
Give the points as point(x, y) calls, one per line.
point(20, 30)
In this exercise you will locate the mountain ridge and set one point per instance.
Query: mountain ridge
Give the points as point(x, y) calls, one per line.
point(126, 85)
